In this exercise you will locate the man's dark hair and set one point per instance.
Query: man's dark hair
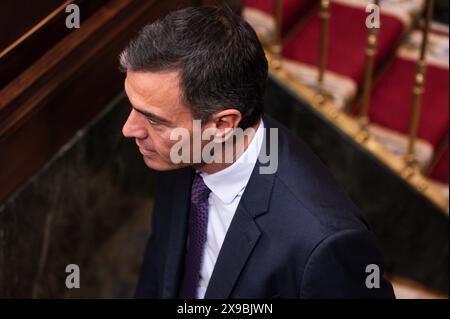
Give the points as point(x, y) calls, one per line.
point(221, 62)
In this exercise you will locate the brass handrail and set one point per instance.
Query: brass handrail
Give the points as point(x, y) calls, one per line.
point(276, 46)
point(418, 91)
point(371, 52)
point(323, 50)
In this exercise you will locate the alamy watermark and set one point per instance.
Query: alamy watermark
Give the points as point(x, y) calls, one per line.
point(219, 149)
point(373, 19)
point(73, 279)
point(373, 279)
point(73, 19)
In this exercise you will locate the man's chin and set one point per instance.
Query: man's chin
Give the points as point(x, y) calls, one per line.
point(162, 166)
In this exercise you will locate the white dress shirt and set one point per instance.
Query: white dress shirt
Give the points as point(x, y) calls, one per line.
point(227, 187)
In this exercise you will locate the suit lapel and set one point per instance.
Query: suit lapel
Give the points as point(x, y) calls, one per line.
point(178, 234)
point(243, 234)
point(241, 237)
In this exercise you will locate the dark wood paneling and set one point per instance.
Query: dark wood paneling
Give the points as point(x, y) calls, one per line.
point(17, 17)
point(42, 109)
point(26, 15)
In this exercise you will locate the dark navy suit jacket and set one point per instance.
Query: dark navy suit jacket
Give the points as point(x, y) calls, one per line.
point(295, 234)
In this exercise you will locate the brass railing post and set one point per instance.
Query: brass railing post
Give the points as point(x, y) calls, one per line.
point(371, 52)
point(276, 46)
point(418, 91)
point(323, 50)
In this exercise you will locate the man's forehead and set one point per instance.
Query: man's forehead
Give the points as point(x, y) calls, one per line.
point(153, 88)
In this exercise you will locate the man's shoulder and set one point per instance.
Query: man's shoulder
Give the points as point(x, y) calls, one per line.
point(305, 189)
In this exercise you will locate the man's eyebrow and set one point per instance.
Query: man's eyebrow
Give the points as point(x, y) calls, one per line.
point(153, 116)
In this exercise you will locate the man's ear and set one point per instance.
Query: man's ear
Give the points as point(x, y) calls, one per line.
point(225, 123)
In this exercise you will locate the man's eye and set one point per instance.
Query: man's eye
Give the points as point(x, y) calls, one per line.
point(152, 121)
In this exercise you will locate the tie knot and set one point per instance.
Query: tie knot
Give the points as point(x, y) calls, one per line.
point(200, 191)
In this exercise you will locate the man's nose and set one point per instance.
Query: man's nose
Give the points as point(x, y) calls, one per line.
point(134, 127)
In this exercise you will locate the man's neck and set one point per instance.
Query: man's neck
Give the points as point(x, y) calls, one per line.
point(217, 167)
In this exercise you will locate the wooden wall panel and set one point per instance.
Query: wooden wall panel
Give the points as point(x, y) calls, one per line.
point(25, 41)
point(42, 108)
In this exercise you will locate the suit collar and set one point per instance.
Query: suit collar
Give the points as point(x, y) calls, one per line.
point(257, 194)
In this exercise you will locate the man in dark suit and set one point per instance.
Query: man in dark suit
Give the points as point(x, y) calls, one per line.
point(269, 223)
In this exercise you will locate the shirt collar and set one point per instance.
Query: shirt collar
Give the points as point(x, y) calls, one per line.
point(231, 181)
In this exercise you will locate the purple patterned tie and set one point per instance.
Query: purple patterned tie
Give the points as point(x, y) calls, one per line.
point(198, 224)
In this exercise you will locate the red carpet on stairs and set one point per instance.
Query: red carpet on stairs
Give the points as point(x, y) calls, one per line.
point(347, 41)
point(440, 171)
point(392, 95)
point(392, 98)
point(293, 10)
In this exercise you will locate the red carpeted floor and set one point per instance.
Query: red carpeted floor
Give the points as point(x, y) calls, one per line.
point(440, 171)
point(293, 10)
point(392, 99)
point(347, 41)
